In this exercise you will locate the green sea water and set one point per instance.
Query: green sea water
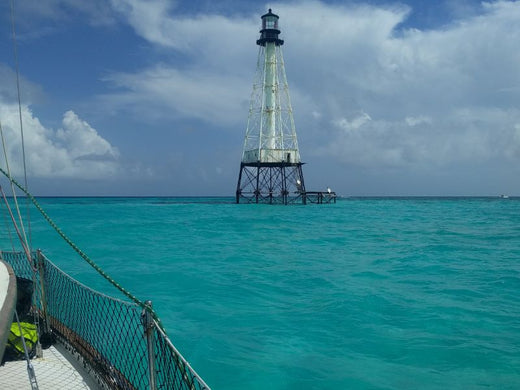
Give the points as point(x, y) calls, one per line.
point(368, 293)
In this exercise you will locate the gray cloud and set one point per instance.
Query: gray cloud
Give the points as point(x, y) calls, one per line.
point(425, 97)
point(369, 94)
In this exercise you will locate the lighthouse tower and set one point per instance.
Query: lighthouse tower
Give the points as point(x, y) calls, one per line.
point(271, 169)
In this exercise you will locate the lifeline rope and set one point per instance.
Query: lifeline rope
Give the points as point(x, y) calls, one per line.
point(25, 242)
point(36, 204)
point(82, 254)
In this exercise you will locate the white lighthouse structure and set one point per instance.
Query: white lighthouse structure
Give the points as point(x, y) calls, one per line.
point(271, 169)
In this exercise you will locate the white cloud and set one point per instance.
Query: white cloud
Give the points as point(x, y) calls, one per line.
point(212, 37)
point(476, 135)
point(74, 151)
point(353, 124)
point(436, 98)
point(411, 99)
point(82, 141)
point(151, 19)
point(209, 83)
point(414, 121)
point(193, 93)
point(365, 91)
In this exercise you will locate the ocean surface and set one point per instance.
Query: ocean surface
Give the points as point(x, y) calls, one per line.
point(368, 293)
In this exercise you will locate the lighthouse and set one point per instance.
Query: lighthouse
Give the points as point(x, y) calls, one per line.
point(271, 169)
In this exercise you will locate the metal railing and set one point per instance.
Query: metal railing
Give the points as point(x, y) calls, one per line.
point(120, 342)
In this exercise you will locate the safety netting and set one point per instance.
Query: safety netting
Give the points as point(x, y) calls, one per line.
point(120, 342)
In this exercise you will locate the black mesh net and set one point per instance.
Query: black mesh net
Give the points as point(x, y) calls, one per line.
point(108, 334)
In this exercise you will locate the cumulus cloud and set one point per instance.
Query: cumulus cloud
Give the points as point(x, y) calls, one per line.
point(435, 98)
point(159, 23)
point(366, 91)
point(166, 91)
point(343, 60)
point(82, 141)
point(151, 20)
point(208, 82)
point(76, 150)
point(468, 135)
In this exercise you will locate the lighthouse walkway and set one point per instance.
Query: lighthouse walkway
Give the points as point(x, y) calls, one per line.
point(320, 197)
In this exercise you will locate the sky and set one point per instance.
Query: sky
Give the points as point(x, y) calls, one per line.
point(150, 97)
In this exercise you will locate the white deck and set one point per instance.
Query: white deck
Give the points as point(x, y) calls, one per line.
point(4, 283)
point(56, 370)
point(7, 302)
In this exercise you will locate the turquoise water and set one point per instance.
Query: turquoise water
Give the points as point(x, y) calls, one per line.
point(364, 294)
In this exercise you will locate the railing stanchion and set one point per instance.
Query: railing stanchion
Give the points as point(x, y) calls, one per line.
point(43, 298)
point(149, 332)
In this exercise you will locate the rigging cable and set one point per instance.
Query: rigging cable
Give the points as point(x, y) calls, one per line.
point(30, 367)
point(26, 244)
point(7, 225)
point(22, 236)
point(17, 71)
point(83, 255)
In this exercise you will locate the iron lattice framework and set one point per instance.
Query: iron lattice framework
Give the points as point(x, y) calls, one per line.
point(271, 169)
point(279, 184)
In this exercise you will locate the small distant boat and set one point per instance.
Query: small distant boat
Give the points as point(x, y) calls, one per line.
point(504, 196)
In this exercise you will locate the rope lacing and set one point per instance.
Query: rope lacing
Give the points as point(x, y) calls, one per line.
point(83, 255)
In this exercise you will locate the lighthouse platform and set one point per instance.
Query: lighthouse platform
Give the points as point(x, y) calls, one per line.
point(320, 197)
